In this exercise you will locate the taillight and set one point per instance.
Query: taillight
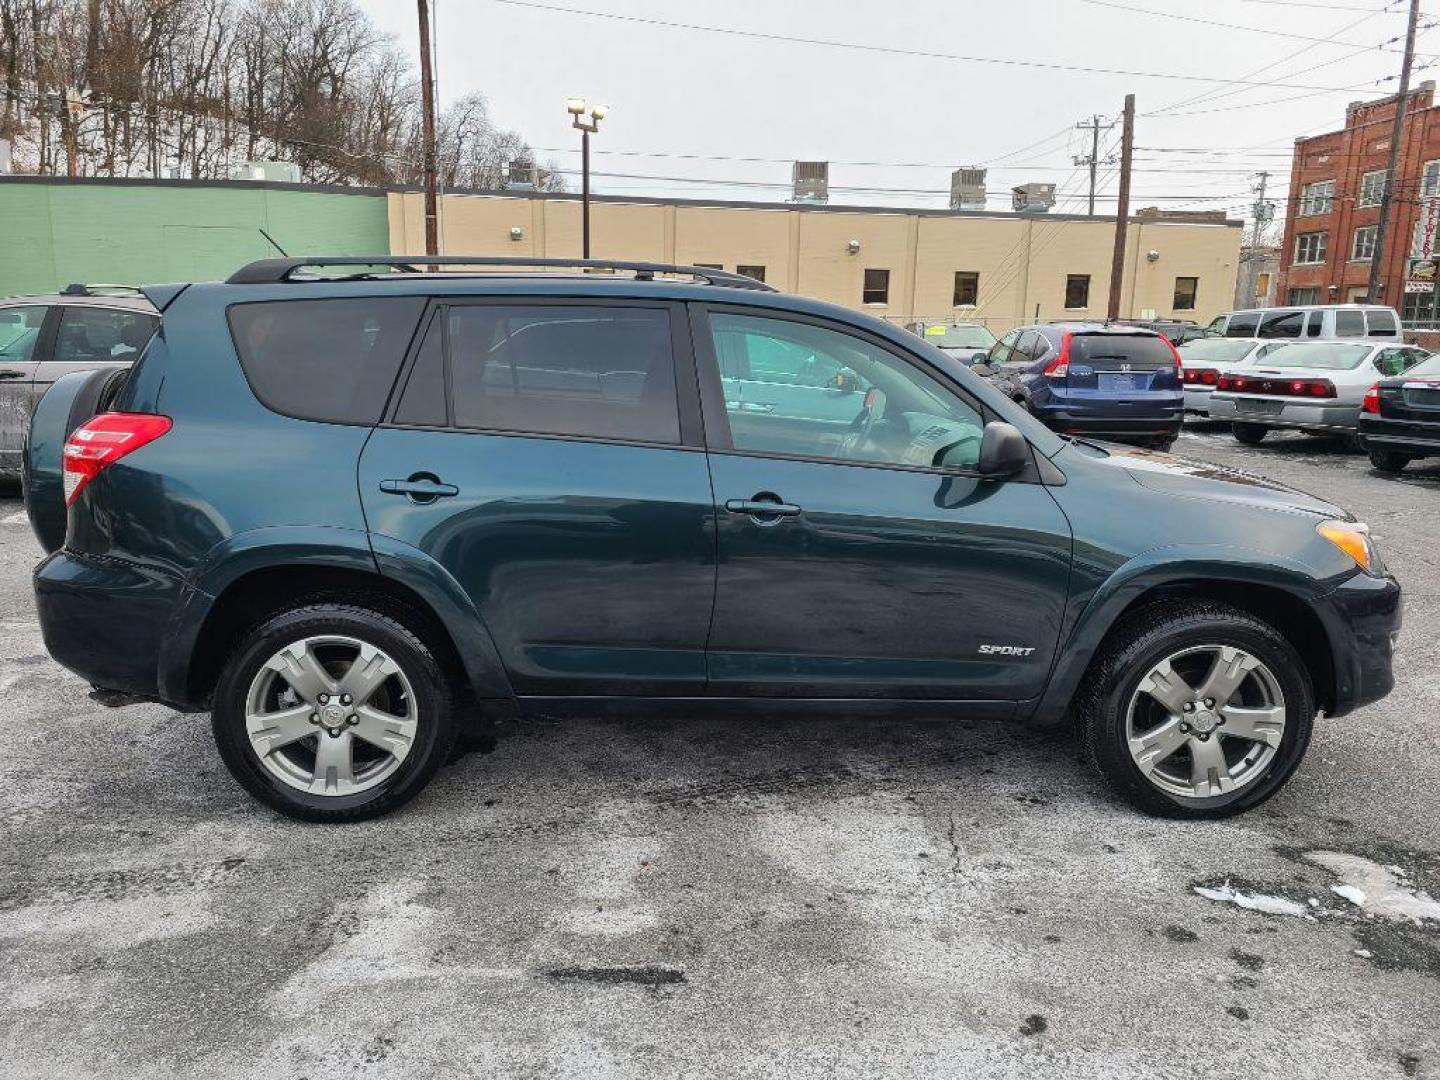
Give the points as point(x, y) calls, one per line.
point(1371, 401)
point(1060, 366)
point(1201, 376)
point(1315, 388)
point(1179, 367)
point(103, 440)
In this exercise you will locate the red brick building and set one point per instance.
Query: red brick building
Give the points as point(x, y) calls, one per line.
point(1336, 183)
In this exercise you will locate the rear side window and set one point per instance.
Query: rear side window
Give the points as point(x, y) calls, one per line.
point(1142, 352)
point(1382, 323)
point(1243, 324)
point(19, 331)
point(604, 371)
point(1349, 324)
point(1281, 324)
point(331, 360)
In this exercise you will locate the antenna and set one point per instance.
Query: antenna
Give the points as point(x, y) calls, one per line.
point(273, 244)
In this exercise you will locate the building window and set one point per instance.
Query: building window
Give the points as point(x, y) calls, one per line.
point(756, 272)
point(1077, 291)
point(1363, 246)
point(1372, 188)
point(1310, 248)
point(1262, 285)
point(967, 288)
point(1185, 290)
point(1302, 297)
point(1317, 198)
point(877, 287)
point(1419, 309)
point(1430, 180)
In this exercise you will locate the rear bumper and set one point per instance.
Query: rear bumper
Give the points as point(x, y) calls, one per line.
point(1362, 619)
point(1403, 436)
point(105, 619)
point(1303, 417)
point(1198, 401)
point(1144, 427)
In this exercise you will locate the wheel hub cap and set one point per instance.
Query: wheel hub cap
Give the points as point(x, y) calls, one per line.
point(1204, 721)
point(333, 717)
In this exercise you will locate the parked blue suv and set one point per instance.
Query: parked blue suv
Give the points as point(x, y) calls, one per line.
point(352, 509)
point(1110, 381)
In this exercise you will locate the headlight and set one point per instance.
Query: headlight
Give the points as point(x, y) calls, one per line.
point(1353, 538)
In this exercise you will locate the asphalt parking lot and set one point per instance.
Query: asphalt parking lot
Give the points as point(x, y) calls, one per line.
point(695, 898)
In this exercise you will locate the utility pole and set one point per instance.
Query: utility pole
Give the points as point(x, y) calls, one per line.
point(1122, 210)
point(1262, 210)
point(1093, 159)
point(1397, 132)
point(427, 103)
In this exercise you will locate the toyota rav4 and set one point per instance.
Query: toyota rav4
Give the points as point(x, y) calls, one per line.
point(349, 508)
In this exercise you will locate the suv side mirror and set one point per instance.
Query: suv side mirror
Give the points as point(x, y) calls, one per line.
point(1003, 450)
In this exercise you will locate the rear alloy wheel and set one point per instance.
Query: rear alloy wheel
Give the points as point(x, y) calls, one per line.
point(333, 713)
point(1249, 434)
point(1197, 710)
point(1388, 460)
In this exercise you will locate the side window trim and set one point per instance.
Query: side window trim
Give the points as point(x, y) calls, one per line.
point(712, 392)
point(687, 396)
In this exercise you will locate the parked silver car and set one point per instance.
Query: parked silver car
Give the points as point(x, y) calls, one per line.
point(1312, 386)
point(1204, 360)
point(44, 337)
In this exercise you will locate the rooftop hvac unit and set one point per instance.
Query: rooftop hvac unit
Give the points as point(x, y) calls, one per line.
point(967, 189)
point(811, 181)
point(1033, 198)
point(281, 172)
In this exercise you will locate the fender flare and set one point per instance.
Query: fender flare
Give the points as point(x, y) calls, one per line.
point(1157, 568)
point(328, 547)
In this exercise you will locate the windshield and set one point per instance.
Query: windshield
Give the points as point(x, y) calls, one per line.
point(1217, 350)
point(963, 337)
point(1316, 354)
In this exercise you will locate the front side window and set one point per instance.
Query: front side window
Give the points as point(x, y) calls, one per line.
point(1362, 248)
point(1317, 198)
point(967, 288)
point(333, 360)
point(600, 371)
point(1310, 247)
point(881, 409)
point(1281, 324)
point(1077, 291)
point(1372, 188)
point(1243, 324)
point(19, 331)
point(1186, 289)
point(877, 287)
point(95, 334)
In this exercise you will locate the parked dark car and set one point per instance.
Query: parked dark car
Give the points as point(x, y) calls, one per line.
point(352, 515)
point(45, 337)
point(1104, 380)
point(1400, 417)
point(1178, 331)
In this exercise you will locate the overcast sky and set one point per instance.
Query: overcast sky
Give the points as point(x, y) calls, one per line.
point(675, 92)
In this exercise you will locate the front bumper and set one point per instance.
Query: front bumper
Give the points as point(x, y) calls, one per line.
point(105, 619)
point(1362, 620)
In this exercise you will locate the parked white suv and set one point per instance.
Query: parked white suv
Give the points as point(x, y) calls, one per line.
point(1372, 321)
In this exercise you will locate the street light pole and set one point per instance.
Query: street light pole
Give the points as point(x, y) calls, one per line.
point(578, 109)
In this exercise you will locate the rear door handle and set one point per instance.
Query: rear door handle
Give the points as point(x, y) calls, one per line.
point(12, 374)
point(419, 488)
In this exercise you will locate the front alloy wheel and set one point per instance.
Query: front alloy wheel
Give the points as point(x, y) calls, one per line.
point(1205, 721)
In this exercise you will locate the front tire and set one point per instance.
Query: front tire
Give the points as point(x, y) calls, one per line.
point(1388, 460)
point(1249, 434)
point(1196, 710)
point(332, 713)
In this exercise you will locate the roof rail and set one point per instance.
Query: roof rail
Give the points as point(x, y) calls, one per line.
point(274, 271)
point(76, 288)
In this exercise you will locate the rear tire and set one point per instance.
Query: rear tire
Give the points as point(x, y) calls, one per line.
point(1122, 725)
point(1249, 434)
point(282, 744)
point(1388, 460)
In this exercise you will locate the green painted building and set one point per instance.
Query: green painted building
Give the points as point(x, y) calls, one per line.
point(55, 230)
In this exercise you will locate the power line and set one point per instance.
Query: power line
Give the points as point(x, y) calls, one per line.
point(1224, 25)
point(896, 51)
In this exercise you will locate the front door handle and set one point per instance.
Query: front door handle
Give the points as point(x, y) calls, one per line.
point(764, 509)
point(420, 488)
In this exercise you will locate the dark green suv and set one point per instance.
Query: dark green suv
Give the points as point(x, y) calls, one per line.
point(349, 507)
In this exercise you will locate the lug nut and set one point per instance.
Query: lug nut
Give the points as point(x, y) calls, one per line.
point(314, 717)
point(1185, 729)
point(324, 699)
point(1189, 706)
point(334, 733)
point(1209, 703)
point(1204, 736)
point(352, 719)
point(344, 699)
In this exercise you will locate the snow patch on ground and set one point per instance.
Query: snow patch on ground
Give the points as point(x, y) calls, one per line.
point(1269, 905)
point(1377, 890)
